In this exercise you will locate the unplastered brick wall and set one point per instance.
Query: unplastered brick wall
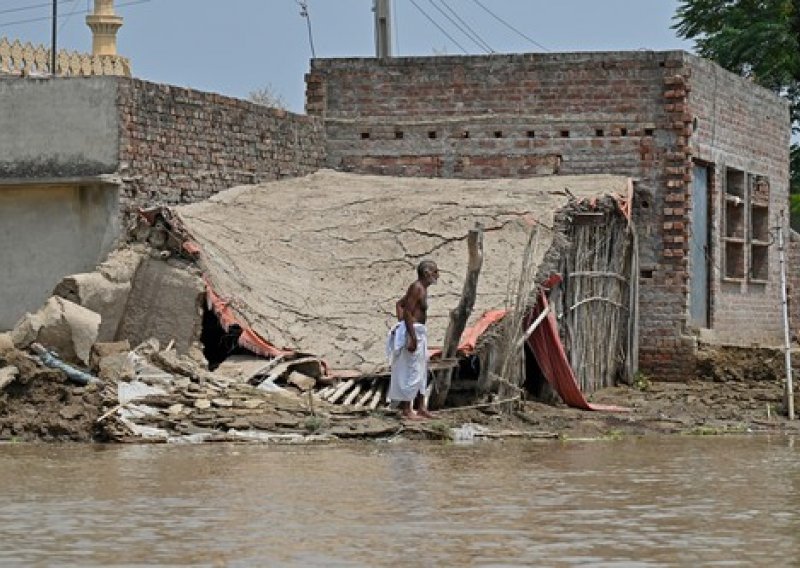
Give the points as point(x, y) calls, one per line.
point(179, 145)
point(488, 116)
point(741, 132)
point(793, 283)
point(524, 115)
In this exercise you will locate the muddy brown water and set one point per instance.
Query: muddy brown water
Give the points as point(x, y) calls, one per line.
point(681, 501)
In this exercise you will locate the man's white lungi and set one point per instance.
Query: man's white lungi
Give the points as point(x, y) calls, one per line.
point(409, 370)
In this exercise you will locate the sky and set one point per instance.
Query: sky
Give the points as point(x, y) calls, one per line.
point(233, 47)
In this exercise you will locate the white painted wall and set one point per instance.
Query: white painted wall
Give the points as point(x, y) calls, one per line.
point(46, 233)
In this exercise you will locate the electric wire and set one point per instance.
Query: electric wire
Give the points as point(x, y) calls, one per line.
point(43, 18)
point(64, 23)
point(509, 26)
point(396, 29)
point(440, 28)
point(31, 7)
point(467, 29)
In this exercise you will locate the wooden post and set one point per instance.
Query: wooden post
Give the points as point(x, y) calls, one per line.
point(459, 316)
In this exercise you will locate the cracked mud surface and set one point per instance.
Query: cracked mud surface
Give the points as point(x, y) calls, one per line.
point(316, 263)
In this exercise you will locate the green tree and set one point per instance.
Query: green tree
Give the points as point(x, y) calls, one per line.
point(759, 39)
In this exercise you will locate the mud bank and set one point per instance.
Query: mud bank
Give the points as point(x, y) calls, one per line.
point(157, 396)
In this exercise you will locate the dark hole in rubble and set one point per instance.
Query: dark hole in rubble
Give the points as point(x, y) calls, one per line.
point(464, 382)
point(535, 382)
point(219, 344)
point(464, 385)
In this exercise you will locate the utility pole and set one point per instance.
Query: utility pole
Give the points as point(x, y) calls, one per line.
point(383, 28)
point(54, 47)
point(787, 344)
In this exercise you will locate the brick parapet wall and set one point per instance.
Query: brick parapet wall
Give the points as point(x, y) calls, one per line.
point(179, 145)
point(493, 116)
point(740, 125)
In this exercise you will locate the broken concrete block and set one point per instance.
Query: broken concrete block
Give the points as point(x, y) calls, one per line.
point(94, 291)
point(301, 381)
point(241, 368)
point(116, 367)
point(8, 375)
point(195, 354)
point(62, 326)
point(102, 350)
point(166, 303)
point(122, 264)
point(6, 344)
point(175, 409)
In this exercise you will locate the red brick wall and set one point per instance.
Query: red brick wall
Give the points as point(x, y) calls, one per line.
point(520, 115)
point(736, 124)
point(179, 145)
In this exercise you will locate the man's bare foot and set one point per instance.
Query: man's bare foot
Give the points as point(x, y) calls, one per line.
point(410, 415)
point(425, 413)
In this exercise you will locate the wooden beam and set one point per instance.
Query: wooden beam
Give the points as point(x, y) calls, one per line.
point(353, 394)
point(343, 388)
point(370, 392)
point(459, 315)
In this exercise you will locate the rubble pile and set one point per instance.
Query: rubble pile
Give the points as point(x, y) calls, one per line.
point(154, 394)
point(39, 403)
point(163, 396)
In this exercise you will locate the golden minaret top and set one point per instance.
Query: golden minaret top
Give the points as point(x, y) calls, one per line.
point(104, 24)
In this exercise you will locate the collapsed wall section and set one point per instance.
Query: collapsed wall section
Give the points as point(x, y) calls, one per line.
point(179, 145)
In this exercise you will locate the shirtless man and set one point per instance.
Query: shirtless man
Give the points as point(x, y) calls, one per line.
point(408, 345)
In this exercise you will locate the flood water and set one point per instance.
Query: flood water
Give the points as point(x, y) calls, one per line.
point(681, 501)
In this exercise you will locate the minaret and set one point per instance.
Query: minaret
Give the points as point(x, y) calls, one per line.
point(104, 25)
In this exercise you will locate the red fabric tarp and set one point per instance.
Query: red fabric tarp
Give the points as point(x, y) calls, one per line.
point(549, 352)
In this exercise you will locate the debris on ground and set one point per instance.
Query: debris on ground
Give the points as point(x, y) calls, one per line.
point(153, 394)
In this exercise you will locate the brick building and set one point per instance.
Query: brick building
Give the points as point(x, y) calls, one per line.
point(708, 150)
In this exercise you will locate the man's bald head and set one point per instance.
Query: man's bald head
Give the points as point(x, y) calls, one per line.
point(426, 267)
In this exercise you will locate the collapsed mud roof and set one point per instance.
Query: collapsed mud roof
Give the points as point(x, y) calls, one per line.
point(315, 264)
